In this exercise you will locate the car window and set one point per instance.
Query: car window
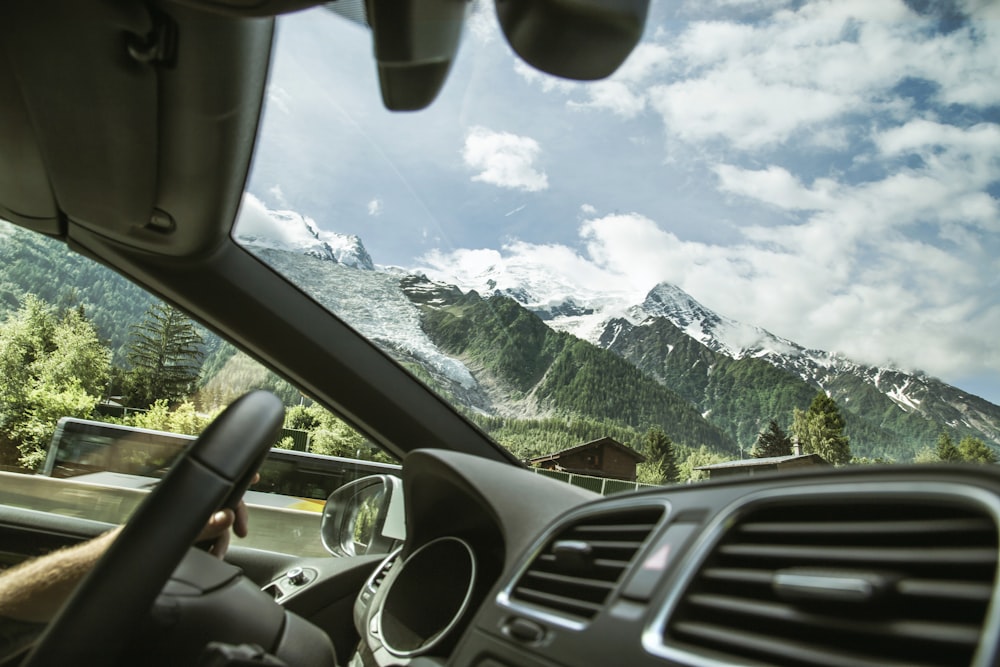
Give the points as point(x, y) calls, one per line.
point(104, 386)
point(767, 241)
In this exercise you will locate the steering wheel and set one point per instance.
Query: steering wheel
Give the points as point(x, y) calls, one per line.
point(95, 625)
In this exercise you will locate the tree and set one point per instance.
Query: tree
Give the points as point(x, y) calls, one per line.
point(975, 450)
point(165, 352)
point(702, 456)
point(183, 418)
point(820, 430)
point(660, 449)
point(771, 442)
point(332, 436)
point(649, 472)
point(946, 450)
point(50, 367)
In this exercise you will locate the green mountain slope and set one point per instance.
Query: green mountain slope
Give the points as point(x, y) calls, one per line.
point(741, 395)
point(560, 375)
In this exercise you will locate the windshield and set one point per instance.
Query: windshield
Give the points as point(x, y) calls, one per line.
point(771, 234)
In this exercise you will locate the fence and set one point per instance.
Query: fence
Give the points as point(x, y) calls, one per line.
point(601, 485)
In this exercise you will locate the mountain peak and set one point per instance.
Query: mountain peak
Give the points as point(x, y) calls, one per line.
point(262, 227)
point(718, 333)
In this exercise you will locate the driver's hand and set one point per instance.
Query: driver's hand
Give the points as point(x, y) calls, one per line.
point(217, 532)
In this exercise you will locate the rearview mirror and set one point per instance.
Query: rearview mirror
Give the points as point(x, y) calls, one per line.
point(575, 39)
point(364, 517)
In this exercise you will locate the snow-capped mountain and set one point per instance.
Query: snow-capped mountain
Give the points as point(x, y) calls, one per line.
point(716, 332)
point(564, 305)
point(260, 227)
point(912, 392)
point(608, 320)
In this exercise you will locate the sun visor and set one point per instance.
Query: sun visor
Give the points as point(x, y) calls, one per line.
point(127, 121)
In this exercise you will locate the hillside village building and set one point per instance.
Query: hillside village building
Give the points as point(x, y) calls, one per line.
point(763, 465)
point(601, 458)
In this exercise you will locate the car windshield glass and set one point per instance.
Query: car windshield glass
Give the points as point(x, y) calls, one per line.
point(769, 239)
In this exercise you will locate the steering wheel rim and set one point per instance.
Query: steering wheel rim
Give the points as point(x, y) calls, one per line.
point(94, 625)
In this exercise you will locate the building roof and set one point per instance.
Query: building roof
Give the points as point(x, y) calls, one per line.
point(766, 461)
point(594, 444)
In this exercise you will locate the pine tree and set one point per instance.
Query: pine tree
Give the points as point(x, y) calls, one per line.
point(946, 449)
point(820, 430)
point(660, 449)
point(771, 442)
point(165, 352)
point(975, 450)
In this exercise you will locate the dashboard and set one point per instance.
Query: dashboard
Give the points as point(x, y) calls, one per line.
point(855, 566)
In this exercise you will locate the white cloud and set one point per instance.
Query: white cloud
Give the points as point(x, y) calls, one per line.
point(775, 185)
point(278, 195)
point(284, 227)
point(734, 105)
point(547, 82)
point(807, 73)
point(613, 96)
point(504, 159)
point(482, 21)
point(588, 209)
point(624, 94)
point(375, 207)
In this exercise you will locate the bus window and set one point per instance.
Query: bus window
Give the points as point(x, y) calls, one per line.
point(83, 447)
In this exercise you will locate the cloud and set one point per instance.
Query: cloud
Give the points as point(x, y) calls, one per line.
point(809, 73)
point(623, 94)
point(553, 270)
point(614, 96)
point(482, 22)
point(547, 82)
point(278, 195)
point(375, 207)
point(504, 159)
point(284, 227)
point(734, 105)
point(776, 186)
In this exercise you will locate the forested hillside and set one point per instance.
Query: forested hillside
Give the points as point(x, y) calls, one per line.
point(63, 278)
point(558, 375)
point(51, 271)
point(742, 395)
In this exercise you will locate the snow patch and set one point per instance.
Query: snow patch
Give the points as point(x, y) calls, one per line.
point(261, 227)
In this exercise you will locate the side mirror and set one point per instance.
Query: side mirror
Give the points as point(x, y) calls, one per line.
point(364, 517)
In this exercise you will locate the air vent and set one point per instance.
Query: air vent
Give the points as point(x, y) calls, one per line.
point(857, 582)
point(584, 562)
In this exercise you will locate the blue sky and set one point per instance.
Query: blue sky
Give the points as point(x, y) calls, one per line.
point(827, 170)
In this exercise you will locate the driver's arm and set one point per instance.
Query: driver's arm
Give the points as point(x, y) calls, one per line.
point(36, 589)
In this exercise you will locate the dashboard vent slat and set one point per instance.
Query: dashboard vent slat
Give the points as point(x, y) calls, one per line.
point(583, 563)
point(859, 580)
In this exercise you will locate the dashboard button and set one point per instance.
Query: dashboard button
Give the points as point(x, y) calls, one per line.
point(524, 631)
